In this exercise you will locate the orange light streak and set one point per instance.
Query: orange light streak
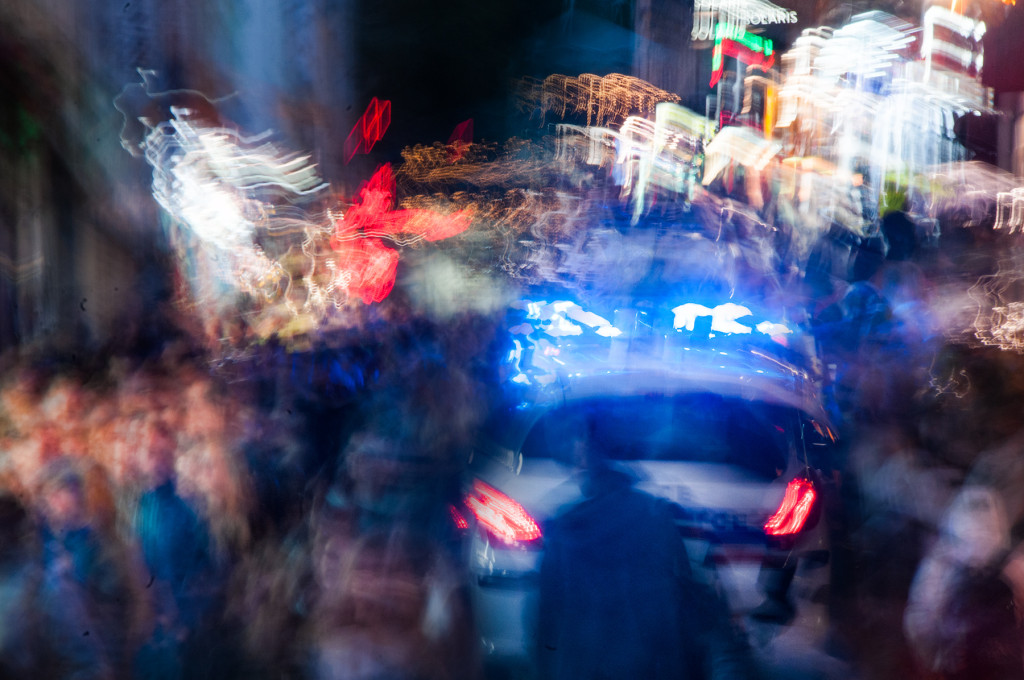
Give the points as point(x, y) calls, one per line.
point(603, 100)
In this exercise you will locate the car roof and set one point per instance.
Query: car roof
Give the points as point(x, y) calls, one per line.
point(735, 373)
point(671, 344)
point(739, 373)
point(562, 352)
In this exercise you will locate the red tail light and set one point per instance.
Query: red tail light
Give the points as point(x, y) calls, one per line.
point(795, 508)
point(501, 515)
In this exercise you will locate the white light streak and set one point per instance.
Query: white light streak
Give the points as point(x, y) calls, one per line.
point(723, 317)
point(969, 30)
point(557, 314)
point(737, 145)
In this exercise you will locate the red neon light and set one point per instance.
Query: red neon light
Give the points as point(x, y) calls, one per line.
point(731, 48)
point(373, 215)
point(369, 129)
point(794, 510)
point(366, 266)
point(505, 518)
point(461, 138)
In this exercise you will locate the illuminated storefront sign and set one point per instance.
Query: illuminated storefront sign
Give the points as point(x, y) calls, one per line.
point(957, 42)
point(707, 14)
point(733, 41)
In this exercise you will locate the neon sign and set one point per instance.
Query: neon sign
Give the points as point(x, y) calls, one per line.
point(737, 13)
point(968, 55)
point(734, 41)
point(365, 267)
point(369, 129)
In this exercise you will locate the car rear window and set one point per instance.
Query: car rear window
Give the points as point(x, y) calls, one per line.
point(701, 428)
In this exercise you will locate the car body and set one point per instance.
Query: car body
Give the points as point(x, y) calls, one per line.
point(704, 405)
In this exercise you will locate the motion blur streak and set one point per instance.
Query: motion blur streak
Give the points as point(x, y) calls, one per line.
point(201, 177)
point(461, 137)
point(602, 100)
point(517, 164)
point(374, 216)
point(999, 319)
point(723, 317)
point(794, 510)
point(733, 41)
point(221, 190)
point(736, 14)
point(241, 220)
point(860, 98)
point(1010, 210)
point(502, 515)
point(973, 189)
point(366, 268)
point(967, 56)
point(642, 154)
point(737, 145)
point(369, 129)
point(514, 217)
point(731, 48)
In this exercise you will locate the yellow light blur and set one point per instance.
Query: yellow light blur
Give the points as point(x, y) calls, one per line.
point(603, 100)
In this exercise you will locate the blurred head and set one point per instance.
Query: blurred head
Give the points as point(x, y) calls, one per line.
point(976, 526)
point(900, 235)
point(63, 496)
point(378, 476)
point(586, 455)
point(157, 454)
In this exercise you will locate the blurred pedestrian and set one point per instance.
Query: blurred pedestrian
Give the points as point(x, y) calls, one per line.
point(617, 596)
point(82, 551)
point(46, 628)
point(177, 552)
point(391, 601)
point(19, 583)
point(961, 617)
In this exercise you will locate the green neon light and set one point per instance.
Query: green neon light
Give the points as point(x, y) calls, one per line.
point(754, 43)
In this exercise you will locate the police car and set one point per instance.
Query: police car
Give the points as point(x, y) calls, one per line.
point(709, 405)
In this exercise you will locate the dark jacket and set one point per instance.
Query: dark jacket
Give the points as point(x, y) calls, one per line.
point(177, 551)
point(617, 599)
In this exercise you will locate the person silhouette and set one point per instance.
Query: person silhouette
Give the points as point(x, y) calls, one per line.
point(617, 596)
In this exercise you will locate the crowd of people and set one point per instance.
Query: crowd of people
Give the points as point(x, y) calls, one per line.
point(169, 517)
point(166, 517)
point(925, 584)
point(126, 500)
